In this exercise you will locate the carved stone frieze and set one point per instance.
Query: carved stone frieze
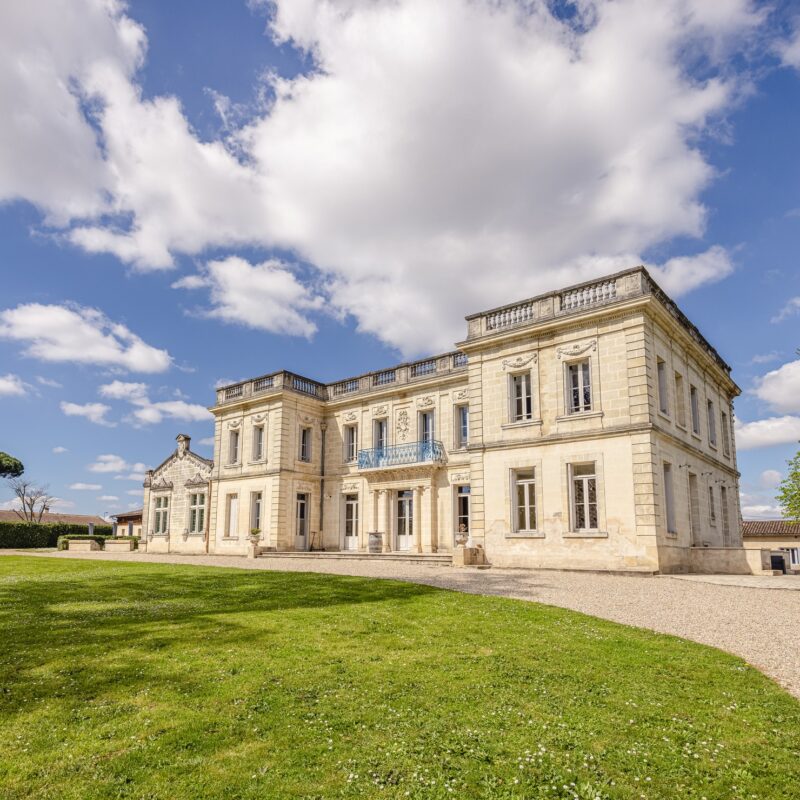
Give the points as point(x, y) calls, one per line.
point(426, 402)
point(350, 487)
point(462, 394)
point(520, 361)
point(197, 480)
point(234, 423)
point(350, 416)
point(160, 485)
point(380, 411)
point(459, 477)
point(403, 425)
point(572, 350)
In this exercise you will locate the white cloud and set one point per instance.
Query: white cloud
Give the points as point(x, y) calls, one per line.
point(94, 412)
point(767, 432)
point(789, 49)
point(440, 157)
point(147, 412)
point(762, 511)
point(59, 449)
point(789, 310)
point(48, 382)
point(109, 498)
point(207, 442)
point(771, 478)
point(90, 487)
point(780, 388)
point(138, 476)
point(765, 358)
point(264, 296)
point(109, 463)
point(120, 390)
point(134, 492)
point(11, 385)
point(81, 336)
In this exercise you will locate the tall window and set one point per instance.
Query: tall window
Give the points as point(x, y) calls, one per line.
point(302, 515)
point(379, 434)
point(680, 400)
point(579, 387)
point(726, 435)
point(233, 447)
point(426, 426)
point(232, 515)
point(462, 426)
point(669, 499)
point(712, 510)
point(197, 512)
point(162, 514)
point(350, 442)
point(258, 442)
point(695, 404)
point(521, 401)
point(663, 400)
point(255, 510)
point(462, 509)
point(351, 515)
point(584, 497)
point(305, 444)
point(726, 523)
point(712, 423)
point(525, 500)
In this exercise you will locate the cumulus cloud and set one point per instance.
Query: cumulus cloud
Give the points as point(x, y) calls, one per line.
point(48, 382)
point(122, 390)
point(148, 412)
point(59, 449)
point(90, 487)
point(789, 48)
point(112, 463)
point(265, 296)
point(81, 336)
point(767, 432)
point(780, 388)
point(771, 478)
point(789, 310)
point(94, 412)
point(108, 498)
point(11, 385)
point(425, 164)
point(762, 511)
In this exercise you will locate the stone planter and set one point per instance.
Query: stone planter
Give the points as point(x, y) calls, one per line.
point(375, 542)
point(82, 545)
point(119, 546)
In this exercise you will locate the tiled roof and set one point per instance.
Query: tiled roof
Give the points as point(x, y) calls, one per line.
point(68, 519)
point(137, 513)
point(770, 527)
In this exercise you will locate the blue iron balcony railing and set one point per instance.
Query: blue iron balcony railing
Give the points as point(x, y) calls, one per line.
point(402, 454)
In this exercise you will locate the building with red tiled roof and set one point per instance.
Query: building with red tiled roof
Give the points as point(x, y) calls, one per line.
point(49, 518)
point(780, 537)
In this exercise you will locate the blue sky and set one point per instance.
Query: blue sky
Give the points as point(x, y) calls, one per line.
point(196, 192)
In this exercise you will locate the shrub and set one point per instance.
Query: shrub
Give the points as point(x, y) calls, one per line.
point(62, 541)
point(30, 534)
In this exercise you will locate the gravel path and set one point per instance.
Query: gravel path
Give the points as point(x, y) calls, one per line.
point(760, 625)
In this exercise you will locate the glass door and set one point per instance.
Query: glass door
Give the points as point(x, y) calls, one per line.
point(405, 519)
point(301, 522)
point(351, 522)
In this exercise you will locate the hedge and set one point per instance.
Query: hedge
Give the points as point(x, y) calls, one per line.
point(30, 534)
point(62, 541)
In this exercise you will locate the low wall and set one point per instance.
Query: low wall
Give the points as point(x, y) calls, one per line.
point(122, 545)
point(722, 560)
point(82, 545)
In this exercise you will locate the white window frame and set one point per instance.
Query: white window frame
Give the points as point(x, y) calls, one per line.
point(529, 490)
point(425, 430)
point(161, 514)
point(234, 440)
point(348, 502)
point(712, 423)
point(584, 373)
point(304, 448)
point(669, 499)
point(258, 442)
point(231, 518)
point(350, 443)
point(694, 404)
point(461, 425)
point(197, 512)
point(256, 509)
point(520, 394)
point(458, 493)
point(381, 424)
point(573, 502)
point(302, 499)
point(680, 400)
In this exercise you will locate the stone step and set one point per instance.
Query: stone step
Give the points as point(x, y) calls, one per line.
point(436, 559)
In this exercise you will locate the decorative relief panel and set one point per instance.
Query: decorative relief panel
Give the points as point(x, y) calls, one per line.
point(259, 417)
point(350, 487)
point(380, 411)
point(520, 361)
point(160, 484)
point(572, 350)
point(403, 425)
point(462, 394)
point(234, 423)
point(425, 402)
point(459, 477)
point(350, 416)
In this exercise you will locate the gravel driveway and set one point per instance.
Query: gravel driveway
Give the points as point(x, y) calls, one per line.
point(760, 625)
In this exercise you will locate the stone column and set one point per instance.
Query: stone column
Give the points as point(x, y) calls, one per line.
point(417, 508)
point(428, 513)
point(387, 517)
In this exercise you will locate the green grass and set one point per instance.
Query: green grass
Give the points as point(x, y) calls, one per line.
point(122, 680)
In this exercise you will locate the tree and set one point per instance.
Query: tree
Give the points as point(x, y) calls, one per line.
point(789, 492)
point(10, 467)
point(34, 500)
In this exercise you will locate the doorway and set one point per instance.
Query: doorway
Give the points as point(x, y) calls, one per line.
point(405, 519)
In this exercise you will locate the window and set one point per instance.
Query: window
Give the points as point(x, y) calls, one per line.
point(669, 499)
point(350, 442)
point(302, 515)
point(162, 514)
point(232, 516)
point(694, 510)
point(663, 400)
point(695, 409)
point(255, 510)
point(680, 400)
point(579, 387)
point(233, 447)
point(305, 444)
point(379, 434)
point(525, 500)
point(712, 511)
point(584, 497)
point(726, 522)
point(726, 434)
point(426, 426)
point(258, 442)
point(712, 423)
point(521, 401)
point(462, 509)
point(350, 515)
point(197, 513)
point(462, 426)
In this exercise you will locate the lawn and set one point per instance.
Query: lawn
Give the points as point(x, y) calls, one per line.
point(125, 680)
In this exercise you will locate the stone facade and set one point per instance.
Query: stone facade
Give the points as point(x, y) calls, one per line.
point(589, 428)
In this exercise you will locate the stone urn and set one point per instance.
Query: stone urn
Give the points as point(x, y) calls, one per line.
point(254, 536)
point(462, 537)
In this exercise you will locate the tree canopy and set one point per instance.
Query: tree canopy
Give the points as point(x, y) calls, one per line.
point(789, 491)
point(10, 467)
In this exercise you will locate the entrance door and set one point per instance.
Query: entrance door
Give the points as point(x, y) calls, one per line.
point(351, 522)
point(405, 519)
point(301, 522)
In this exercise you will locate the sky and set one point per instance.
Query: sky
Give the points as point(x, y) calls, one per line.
point(193, 193)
